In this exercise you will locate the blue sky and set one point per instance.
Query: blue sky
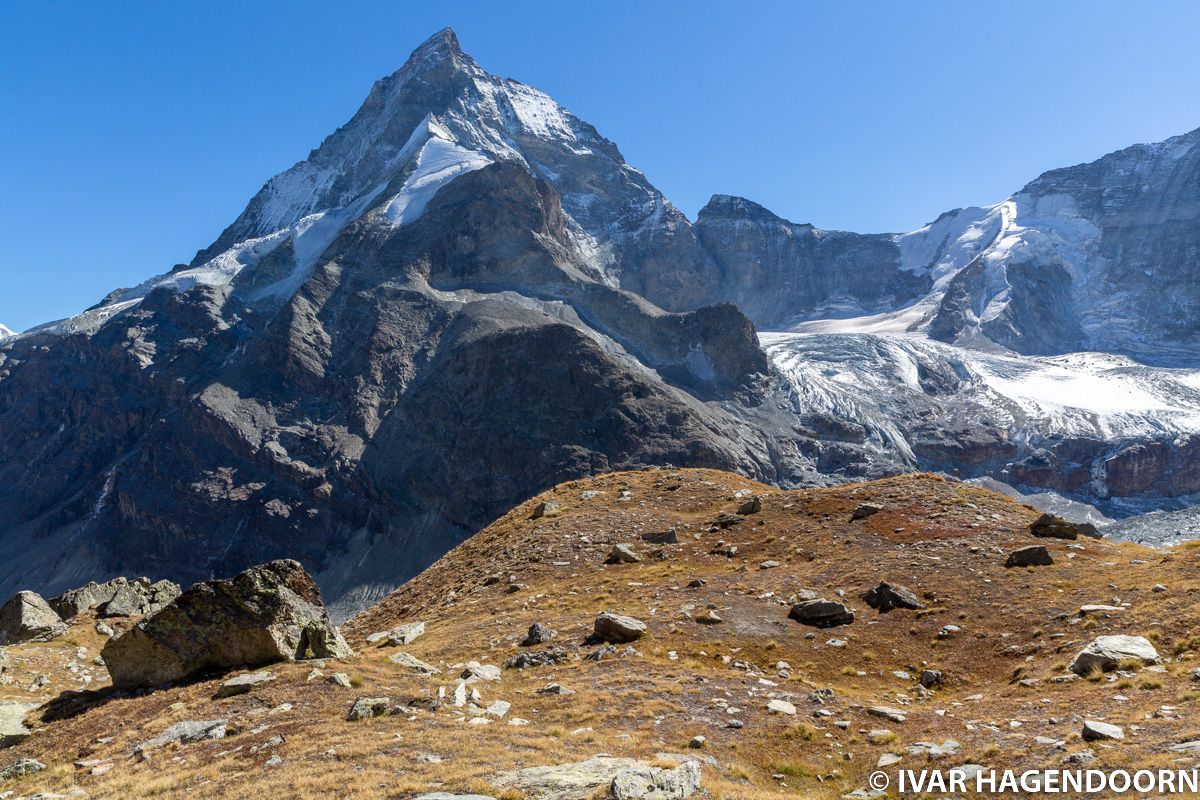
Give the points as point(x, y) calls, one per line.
point(134, 132)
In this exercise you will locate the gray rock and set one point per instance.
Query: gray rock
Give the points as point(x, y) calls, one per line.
point(474, 672)
point(1033, 556)
point(340, 679)
point(412, 662)
point(366, 707)
point(538, 634)
point(546, 508)
point(118, 597)
point(20, 768)
point(821, 613)
point(652, 783)
point(555, 655)
point(625, 779)
point(1105, 653)
point(669, 536)
point(1094, 731)
point(622, 554)
point(751, 506)
point(888, 713)
point(1049, 526)
point(865, 510)
point(12, 722)
point(186, 733)
point(241, 684)
point(778, 706)
point(449, 796)
point(932, 678)
point(887, 596)
point(406, 634)
point(27, 618)
point(264, 615)
point(618, 628)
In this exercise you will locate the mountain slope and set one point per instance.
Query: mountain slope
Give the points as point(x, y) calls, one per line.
point(399, 338)
point(1005, 699)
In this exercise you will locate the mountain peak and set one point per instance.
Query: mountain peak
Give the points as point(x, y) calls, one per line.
point(443, 44)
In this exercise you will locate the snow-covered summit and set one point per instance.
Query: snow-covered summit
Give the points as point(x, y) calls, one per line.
point(6, 331)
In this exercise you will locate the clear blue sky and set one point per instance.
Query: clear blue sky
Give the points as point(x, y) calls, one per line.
point(134, 132)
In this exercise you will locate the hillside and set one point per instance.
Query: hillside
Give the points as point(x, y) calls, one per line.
point(999, 636)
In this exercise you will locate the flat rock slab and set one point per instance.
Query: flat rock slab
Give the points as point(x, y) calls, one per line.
point(887, 712)
point(185, 733)
point(1094, 731)
point(12, 722)
point(241, 684)
point(577, 781)
point(413, 663)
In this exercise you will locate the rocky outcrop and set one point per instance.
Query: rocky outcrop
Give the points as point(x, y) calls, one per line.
point(264, 615)
point(119, 597)
point(27, 618)
point(821, 613)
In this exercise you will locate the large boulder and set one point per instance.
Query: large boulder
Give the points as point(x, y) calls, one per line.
point(1106, 653)
point(119, 597)
point(26, 617)
point(12, 722)
point(267, 614)
point(617, 628)
point(821, 613)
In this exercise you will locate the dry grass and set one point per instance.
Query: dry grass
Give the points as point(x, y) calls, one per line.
point(689, 678)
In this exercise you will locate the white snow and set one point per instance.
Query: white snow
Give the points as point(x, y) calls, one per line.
point(438, 163)
point(6, 332)
point(871, 377)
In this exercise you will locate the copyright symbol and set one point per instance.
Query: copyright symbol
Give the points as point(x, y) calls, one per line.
point(878, 781)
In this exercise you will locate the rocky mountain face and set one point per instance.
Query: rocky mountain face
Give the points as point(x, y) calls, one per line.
point(6, 332)
point(1049, 340)
point(465, 295)
point(400, 337)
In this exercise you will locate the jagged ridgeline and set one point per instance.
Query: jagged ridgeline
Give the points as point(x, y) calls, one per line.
point(464, 295)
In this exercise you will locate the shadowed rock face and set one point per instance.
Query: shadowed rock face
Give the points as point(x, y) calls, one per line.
point(262, 616)
point(779, 271)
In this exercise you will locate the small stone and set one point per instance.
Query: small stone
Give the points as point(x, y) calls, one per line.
point(413, 663)
point(538, 634)
point(768, 564)
point(880, 736)
point(475, 672)
point(367, 707)
point(546, 508)
point(697, 742)
point(554, 688)
point(887, 596)
point(781, 707)
point(1158, 587)
point(1106, 653)
point(709, 617)
point(241, 684)
point(865, 510)
point(340, 679)
point(622, 554)
point(751, 506)
point(931, 678)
